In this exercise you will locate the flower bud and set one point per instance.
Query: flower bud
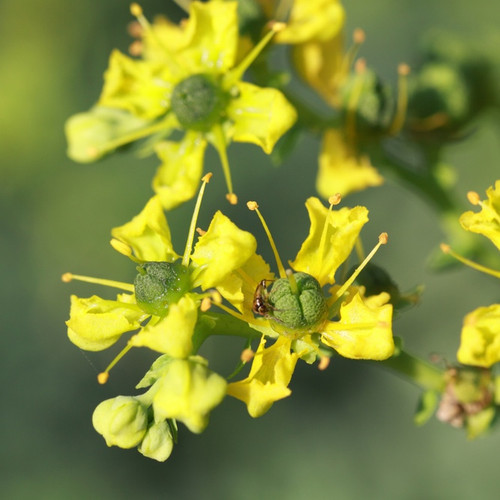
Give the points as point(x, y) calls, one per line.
point(159, 284)
point(122, 421)
point(438, 93)
point(296, 314)
point(158, 442)
point(197, 102)
point(371, 102)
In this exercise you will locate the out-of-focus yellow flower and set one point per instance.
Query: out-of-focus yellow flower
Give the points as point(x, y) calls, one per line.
point(187, 79)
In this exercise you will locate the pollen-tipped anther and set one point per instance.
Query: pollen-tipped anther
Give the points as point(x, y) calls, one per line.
point(206, 304)
point(360, 66)
point(135, 9)
point(383, 238)
point(66, 277)
point(324, 362)
point(335, 199)
point(247, 355)
point(445, 248)
point(103, 377)
point(473, 197)
point(403, 69)
point(358, 36)
point(232, 198)
point(252, 205)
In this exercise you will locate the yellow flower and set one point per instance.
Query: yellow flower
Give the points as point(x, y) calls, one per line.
point(162, 304)
point(297, 312)
point(480, 339)
point(187, 79)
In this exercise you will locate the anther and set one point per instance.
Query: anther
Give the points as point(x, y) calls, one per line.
point(66, 277)
point(335, 199)
point(252, 205)
point(232, 198)
point(403, 69)
point(205, 305)
point(135, 9)
point(360, 66)
point(103, 377)
point(247, 355)
point(276, 26)
point(445, 248)
point(134, 29)
point(473, 198)
point(383, 238)
point(121, 247)
point(358, 36)
point(324, 362)
point(216, 297)
point(207, 177)
point(135, 48)
point(200, 231)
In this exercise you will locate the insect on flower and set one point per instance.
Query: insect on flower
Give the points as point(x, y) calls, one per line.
point(260, 303)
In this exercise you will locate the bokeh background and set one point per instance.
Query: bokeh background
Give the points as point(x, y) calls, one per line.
point(345, 433)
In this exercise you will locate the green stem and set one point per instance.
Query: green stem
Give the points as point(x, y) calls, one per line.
point(422, 373)
point(211, 323)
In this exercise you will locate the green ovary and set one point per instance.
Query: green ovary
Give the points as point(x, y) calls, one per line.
point(296, 314)
point(159, 284)
point(198, 102)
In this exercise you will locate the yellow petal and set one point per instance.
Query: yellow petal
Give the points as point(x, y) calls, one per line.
point(322, 66)
point(239, 287)
point(210, 38)
point(92, 134)
point(220, 251)
point(95, 324)
point(363, 332)
point(178, 177)
point(260, 115)
point(148, 234)
point(487, 221)
point(480, 339)
point(173, 334)
point(271, 372)
point(188, 391)
point(320, 256)
point(312, 20)
point(142, 88)
point(341, 170)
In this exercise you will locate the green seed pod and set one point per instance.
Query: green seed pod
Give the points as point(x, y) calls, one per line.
point(122, 421)
point(159, 284)
point(198, 102)
point(297, 314)
point(439, 90)
point(370, 100)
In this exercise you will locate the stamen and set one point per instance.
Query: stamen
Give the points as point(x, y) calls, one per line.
point(252, 205)
point(478, 267)
point(247, 355)
point(205, 305)
point(103, 377)
point(136, 11)
point(333, 200)
point(402, 102)
point(358, 38)
point(236, 73)
point(200, 231)
point(473, 198)
point(220, 145)
point(124, 249)
point(324, 362)
point(67, 277)
point(135, 48)
point(382, 240)
point(192, 228)
point(352, 104)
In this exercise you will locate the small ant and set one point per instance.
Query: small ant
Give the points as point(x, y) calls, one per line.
point(260, 303)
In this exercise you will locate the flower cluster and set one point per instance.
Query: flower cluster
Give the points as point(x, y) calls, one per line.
point(210, 80)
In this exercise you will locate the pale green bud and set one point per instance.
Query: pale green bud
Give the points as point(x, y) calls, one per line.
point(122, 421)
point(158, 442)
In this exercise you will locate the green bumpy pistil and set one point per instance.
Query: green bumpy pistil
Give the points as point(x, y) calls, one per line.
point(159, 284)
point(297, 314)
point(197, 102)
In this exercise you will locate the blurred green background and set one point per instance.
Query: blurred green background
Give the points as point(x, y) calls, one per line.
point(345, 433)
